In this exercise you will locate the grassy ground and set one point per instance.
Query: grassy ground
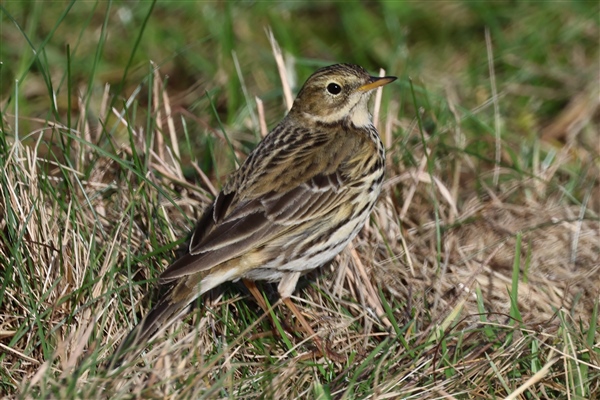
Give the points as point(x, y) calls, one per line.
point(478, 275)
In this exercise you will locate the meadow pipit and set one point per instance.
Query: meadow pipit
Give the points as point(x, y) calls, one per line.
point(295, 203)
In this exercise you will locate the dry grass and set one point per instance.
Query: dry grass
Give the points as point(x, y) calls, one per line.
point(473, 279)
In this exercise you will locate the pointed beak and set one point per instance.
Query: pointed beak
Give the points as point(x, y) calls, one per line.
point(375, 82)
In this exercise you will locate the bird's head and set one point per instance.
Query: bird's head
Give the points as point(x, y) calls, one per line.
point(338, 93)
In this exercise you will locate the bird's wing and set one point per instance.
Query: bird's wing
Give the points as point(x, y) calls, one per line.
point(237, 223)
point(255, 222)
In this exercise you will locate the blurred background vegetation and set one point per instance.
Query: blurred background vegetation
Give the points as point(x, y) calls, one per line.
point(545, 57)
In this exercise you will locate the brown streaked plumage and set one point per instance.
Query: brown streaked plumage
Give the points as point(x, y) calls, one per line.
point(295, 203)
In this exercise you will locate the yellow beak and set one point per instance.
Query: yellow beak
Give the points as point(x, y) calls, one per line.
point(375, 82)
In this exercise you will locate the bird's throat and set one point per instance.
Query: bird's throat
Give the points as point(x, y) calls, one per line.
point(360, 116)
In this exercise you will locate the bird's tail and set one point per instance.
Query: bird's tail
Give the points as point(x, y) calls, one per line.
point(160, 316)
point(176, 298)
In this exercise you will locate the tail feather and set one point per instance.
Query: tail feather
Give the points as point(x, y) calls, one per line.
point(160, 315)
point(176, 299)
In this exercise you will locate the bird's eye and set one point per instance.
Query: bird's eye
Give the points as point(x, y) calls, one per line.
point(334, 88)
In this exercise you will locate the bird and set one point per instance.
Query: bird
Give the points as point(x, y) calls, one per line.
point(296, 202)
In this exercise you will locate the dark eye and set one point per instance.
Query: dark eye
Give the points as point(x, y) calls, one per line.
point(334, 88)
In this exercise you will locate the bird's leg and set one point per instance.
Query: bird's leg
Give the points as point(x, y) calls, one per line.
point(253, 289)
point(322, 348)
point(285, 289)
point(256, 294)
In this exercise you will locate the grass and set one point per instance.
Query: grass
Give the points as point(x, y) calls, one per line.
point(477, 276)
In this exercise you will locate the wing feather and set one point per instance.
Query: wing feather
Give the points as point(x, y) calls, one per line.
point(240, 221)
